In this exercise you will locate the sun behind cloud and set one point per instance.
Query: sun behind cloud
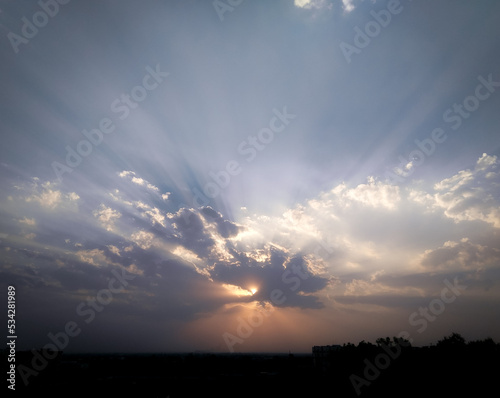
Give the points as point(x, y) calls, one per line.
point(238, 291)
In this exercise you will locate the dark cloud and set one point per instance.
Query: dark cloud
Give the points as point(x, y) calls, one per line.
point(190, 232)
point(161, 296)
point(225, 228)
point(289, 274)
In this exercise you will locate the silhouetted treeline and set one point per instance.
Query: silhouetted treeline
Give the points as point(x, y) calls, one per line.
point(390, 367)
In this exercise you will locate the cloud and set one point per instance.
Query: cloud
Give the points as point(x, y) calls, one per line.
point(469, 195)
point(113, 249)
point(131, 176)
point(348, 5)
point(357, 231)
point(225, 228)
point(153, 213)
point(107, 216)
point(143, 239)
point(126, 173)
point(312, 4)
point(156, 216)
point(142, 182)
point(94, 257)
point(28, 221)
point(462, 255)
point(369, 236)
point(190, 232)
point(373, 194)
point(354, 246)
point(378, 291)
point(270, 270)
point(48, 196)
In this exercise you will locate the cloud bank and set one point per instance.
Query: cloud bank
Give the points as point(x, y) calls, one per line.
point(372, 247)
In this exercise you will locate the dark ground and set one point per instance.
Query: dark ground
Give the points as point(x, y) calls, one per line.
point(444, 370)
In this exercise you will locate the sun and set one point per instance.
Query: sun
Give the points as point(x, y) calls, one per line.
point(240, 291)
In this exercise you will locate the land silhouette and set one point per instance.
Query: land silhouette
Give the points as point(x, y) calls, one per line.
point(388, 367)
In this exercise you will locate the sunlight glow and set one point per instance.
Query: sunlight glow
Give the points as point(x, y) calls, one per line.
point(236, 290)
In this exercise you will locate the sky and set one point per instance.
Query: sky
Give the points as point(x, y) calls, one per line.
point(249, 176)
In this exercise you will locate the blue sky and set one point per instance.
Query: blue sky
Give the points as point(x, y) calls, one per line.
point(243, 147)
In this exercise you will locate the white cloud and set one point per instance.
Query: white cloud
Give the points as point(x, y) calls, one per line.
point(331, 228)
point(28, 221)
point(302, 3)
point(126, 173)
point(156, 216)
point(460, 179)
point(486, 162)
point(116, 196)
point(373, 194)
point(138, 180)
point(348, 5)
point(48, 196)
point(113, 249)
point(93, 257)
point(142, 239)
point(152, 187)
point(310, 4)
point(73, 196)
point(107, 216)
point(96, 257)
point(367, 227)
point(469, 195)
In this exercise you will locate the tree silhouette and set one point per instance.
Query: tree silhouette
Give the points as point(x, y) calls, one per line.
point(455, 340)
point(396, 341)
